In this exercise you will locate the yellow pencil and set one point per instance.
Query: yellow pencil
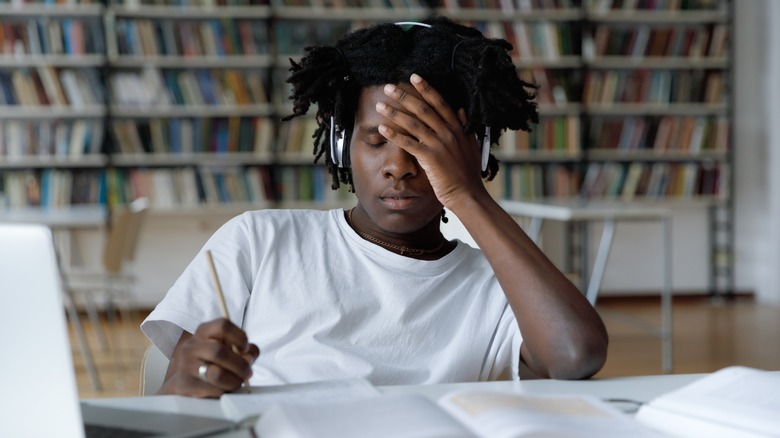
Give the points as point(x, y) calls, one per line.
point(222, 304)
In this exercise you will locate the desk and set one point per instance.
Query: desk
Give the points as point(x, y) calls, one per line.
point(63, 221)
point(640, 388)
point(77, 216)
point(609, 213)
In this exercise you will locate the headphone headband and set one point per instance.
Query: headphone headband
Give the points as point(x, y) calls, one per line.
point(412, 23)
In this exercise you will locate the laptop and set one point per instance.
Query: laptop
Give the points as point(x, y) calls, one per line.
point(38, 391)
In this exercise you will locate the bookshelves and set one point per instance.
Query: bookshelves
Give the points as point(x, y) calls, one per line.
point(635, 105)
point(52, 105)
point(181, 100)
point(658, 111)
point(190, 119)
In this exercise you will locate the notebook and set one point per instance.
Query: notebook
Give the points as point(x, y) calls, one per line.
point(38, 392)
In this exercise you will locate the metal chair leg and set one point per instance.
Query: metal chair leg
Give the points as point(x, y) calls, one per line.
point(81, 338)
point(666, 300)
point(600, 264)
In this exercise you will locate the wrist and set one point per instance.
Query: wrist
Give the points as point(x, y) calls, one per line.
point(468, 200)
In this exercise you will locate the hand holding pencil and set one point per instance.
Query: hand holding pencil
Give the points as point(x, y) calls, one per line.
point(223, 305)
point(214, 359)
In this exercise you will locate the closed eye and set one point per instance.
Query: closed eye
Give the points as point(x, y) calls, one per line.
point(375, 141)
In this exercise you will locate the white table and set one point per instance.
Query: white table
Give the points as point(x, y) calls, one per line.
point(583, 211)
point(62, 222)
point(640, 389)
point(76, 216)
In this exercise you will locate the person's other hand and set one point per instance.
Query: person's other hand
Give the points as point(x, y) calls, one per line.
point(436, 137)
point(204, 364)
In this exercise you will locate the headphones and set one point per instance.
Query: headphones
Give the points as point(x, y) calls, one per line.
point(486, 142)
point(339, 155)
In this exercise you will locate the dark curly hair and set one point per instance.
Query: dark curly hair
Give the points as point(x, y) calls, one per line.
point(470, 71)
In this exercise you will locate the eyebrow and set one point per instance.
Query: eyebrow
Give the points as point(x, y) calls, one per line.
point(369, 129)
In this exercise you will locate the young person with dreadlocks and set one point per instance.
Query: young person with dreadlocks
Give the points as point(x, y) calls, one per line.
point(376, 291)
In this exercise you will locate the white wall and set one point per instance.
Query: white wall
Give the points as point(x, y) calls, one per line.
point(169, 243)
point(757, 149)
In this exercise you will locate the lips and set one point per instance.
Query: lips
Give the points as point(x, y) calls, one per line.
point(399, 201)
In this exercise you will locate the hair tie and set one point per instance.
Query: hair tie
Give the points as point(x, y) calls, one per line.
point(452, 61)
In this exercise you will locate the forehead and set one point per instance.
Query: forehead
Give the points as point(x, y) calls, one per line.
point(369, 96)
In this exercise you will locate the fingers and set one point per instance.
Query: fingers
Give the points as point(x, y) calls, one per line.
point(423, 113)
point(224, 331)
point(436, 100)
point(215, 359)
point(413, 126)
point(222, 343)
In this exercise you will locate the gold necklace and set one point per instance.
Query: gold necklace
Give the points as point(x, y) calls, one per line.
point(400, 249)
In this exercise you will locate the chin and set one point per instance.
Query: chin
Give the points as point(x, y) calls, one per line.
point(403, 222)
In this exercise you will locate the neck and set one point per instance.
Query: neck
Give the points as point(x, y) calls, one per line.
point(434, 250)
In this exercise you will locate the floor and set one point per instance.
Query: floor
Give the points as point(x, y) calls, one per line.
point(706, 336)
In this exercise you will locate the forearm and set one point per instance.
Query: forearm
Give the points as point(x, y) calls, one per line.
point(563, 336)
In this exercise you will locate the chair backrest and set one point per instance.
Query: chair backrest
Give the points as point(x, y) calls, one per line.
point(123, 235)
point(153, 368)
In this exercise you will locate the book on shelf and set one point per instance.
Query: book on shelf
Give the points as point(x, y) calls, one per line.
point(461, 413)
point(632, 180)
point(735, 401)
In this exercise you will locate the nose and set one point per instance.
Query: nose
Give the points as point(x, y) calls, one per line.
point(399, 164)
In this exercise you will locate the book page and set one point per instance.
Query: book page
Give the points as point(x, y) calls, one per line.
point(238, 406)
point(744, 398)
point(389, 416)
point(504, 415)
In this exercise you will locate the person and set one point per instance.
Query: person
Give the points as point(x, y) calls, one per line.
point(404, 115)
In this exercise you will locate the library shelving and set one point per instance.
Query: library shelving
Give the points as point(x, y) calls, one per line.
point(658, 111)
point(52, 105)
point(181, 101)
point(190, 122)
point(635, 105)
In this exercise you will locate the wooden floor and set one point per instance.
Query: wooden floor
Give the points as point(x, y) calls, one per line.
point(706, 336)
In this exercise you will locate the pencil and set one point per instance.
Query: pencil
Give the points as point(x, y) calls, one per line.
point(222, 304)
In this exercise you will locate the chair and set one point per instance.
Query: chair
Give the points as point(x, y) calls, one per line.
point(153, 368)
point(113, 285)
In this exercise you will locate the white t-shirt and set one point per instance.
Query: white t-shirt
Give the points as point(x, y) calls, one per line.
point(322, 303)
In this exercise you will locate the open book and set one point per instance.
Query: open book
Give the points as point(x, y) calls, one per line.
point(733, 402)
point(465, 413)
point(239, 406)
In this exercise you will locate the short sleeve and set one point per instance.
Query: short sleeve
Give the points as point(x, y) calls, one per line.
point(192, 299)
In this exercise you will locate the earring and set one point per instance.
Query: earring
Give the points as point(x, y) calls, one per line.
point(444, 216)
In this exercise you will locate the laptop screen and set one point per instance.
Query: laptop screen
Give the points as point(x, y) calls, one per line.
point(40, 396)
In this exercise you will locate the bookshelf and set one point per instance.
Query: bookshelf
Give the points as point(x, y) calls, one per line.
point(180, 101)
point(635, 106)
point(190, 124)
point(52, 105)
point(658, 111)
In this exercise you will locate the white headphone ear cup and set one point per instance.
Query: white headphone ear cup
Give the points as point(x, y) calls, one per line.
point(340, 148)
point(336, 144)
point(486, 148)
